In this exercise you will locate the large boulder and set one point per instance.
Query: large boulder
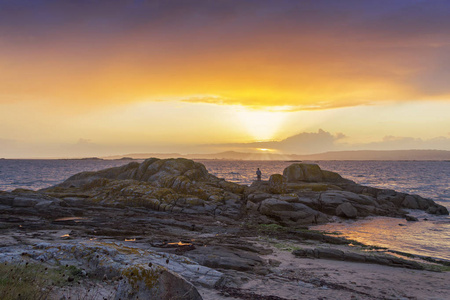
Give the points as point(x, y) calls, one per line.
point(338, 197)
point(303, 172)
point(437, 210)
point(346, 210)
point(33, 203)
point(312, 173)
point(410, 202)
point(225, 258)
point(24, 202)
point(154, 283)
point(288, 213)
point(294, 173)
point(6, 198)
point(364, 204)
point(331, 176)
point(417, 202)
point(258, 197)
point(277, 184)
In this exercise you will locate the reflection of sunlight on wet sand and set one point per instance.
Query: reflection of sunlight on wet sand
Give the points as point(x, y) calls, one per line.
point(180, 243)
point(428, 238)
point(69, 219)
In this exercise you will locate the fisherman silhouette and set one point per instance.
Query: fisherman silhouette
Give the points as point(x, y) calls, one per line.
point(258, 174)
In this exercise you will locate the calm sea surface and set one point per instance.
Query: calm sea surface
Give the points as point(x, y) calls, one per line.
point(426, 178)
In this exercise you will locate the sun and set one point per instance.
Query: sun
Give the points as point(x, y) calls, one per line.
point(262, 125)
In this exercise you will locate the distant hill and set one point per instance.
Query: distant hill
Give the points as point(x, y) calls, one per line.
point(144, 156)
point(333, 155)
point(233, 155)
point(381, 155)
point(227, 155)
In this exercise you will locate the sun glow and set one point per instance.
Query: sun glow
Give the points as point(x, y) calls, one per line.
point(265, 150)
point(261, 124)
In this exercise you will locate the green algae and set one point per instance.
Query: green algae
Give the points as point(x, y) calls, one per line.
point(139, 273)
point(31, 281)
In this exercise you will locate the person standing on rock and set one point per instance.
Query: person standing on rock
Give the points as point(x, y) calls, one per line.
point(258, 174)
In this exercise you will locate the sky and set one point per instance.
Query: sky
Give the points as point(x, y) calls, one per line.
point(98, 78)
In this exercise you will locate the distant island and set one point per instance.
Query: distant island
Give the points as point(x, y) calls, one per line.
point(83, 158)
point(441, 155)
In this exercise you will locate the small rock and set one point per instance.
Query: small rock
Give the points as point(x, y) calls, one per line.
point(411, 218)
point(274, 263)
point(305, 284)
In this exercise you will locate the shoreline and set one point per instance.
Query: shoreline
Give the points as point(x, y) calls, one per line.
point(139, 228)
point(363, 232)
point(266, 267)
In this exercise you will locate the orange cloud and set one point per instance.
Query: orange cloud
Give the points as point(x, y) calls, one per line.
point(301, 56)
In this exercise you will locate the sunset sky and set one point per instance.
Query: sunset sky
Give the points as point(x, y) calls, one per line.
point(96, 78)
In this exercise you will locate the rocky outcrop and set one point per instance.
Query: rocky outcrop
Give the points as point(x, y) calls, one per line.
point(333, 191)
point(32, 203)
point(225, 258)
point(173, 185)
point(181, 175)
point(186, 228)
point(311, 194)
point(154, 283)
point(287, 213)
point(141, 274)
point(304, 195)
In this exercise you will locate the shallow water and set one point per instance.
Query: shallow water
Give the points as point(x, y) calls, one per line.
point(429, 179)
point(427, 238)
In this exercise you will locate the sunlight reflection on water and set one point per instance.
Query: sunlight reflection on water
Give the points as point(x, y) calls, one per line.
point(429, 238)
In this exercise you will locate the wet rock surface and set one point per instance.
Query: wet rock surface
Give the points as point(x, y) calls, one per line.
point(169, 228)
point(335, 254)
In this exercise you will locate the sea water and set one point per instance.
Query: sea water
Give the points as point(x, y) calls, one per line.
point(428, 179)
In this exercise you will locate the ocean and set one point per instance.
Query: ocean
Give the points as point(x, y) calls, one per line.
point(428, 179)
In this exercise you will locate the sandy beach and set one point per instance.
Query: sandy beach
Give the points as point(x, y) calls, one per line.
point(307, 278)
